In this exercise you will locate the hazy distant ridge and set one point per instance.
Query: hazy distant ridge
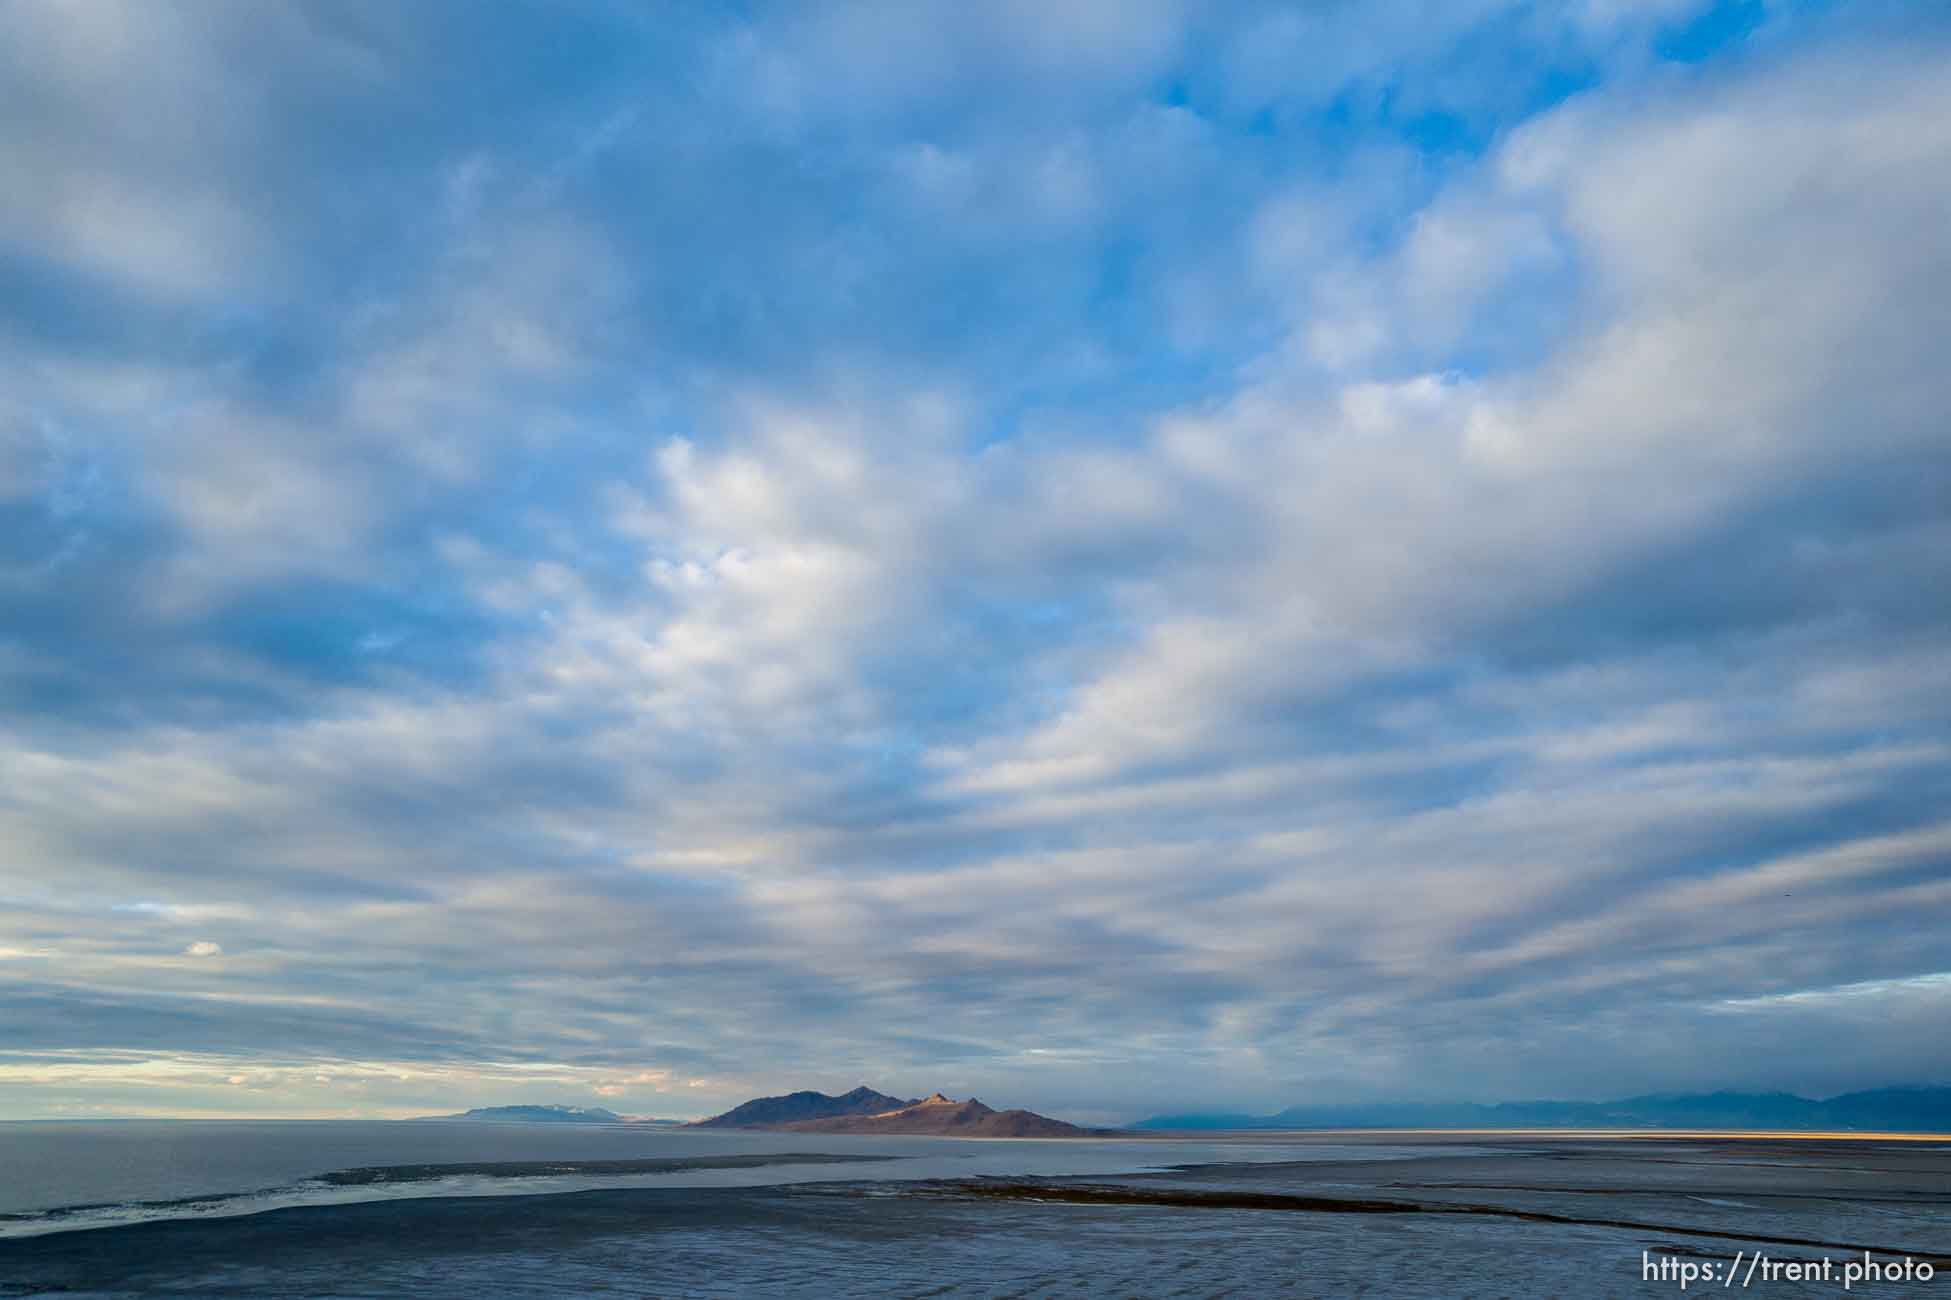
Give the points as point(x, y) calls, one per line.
point(538, 1115)
point(1899, 1110)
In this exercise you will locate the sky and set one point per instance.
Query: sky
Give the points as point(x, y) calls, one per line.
point(1114, 556)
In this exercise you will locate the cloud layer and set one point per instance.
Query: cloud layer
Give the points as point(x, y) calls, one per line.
point(1115, 558)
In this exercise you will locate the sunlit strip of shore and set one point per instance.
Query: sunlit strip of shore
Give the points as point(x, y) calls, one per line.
point(1641, 1134)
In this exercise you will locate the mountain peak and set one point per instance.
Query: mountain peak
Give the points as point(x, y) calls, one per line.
point(808, 1105)
point(865, 1111)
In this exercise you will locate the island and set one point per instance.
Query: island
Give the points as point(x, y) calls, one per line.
point(867, 1112)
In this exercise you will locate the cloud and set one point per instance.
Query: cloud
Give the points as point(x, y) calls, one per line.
point(1127, 558)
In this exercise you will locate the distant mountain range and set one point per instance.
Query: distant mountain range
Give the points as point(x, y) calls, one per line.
point(866, 1111)
point(547, 1115)
point(1895, 1110)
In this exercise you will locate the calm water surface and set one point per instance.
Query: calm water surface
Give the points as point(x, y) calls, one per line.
point(389, 1211)
point(62, 1175)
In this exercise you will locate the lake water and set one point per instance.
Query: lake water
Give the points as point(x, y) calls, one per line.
point(459, 1209)
point(61, 1175)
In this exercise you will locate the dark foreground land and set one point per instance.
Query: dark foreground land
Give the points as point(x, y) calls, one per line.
point(1467, 1215)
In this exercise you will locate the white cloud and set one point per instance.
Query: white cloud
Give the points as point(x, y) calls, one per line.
point(1515, 637)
